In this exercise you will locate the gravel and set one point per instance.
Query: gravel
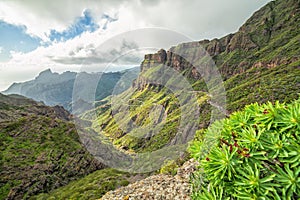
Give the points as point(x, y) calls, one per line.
point(156, 187)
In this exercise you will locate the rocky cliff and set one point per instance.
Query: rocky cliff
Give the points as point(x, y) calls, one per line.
point(258, 63)
point(268, 39)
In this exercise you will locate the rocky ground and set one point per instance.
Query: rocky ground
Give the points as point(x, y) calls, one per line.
point(156, 187)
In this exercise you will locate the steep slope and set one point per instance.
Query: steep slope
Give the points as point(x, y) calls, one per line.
point(92, 186)
point(57, 89)
point(258, 63)
point(40, 148)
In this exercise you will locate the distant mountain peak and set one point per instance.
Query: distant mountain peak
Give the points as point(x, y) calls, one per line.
point(47, 71)
point(53, 88)
point(46, 75)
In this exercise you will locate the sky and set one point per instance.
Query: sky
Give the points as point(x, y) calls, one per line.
point(105, 35)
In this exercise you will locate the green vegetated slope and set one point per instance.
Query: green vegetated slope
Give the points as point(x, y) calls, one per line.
point(253, 154)
point(259, 63)
point(93, 186)
point(40, 149)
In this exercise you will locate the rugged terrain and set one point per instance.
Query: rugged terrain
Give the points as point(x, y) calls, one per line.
point(258, 63)
point(40, 148)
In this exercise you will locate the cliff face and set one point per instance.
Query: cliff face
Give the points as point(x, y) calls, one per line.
point(268, 39)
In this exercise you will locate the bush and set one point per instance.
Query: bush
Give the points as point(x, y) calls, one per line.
point(254, 154)
point(170, 167)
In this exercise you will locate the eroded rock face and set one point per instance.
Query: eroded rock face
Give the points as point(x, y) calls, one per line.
point(178, 57)
point(253, 45)
point(240, 41)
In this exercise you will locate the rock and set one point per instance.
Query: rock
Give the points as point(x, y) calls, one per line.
point(165, 187)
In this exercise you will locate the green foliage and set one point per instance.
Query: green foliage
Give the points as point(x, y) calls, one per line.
point(140, 105)
point(261, 85)
point(254, 154)
point(40, 149)
point(93, 186)
point(259, 63)
point(169, 167)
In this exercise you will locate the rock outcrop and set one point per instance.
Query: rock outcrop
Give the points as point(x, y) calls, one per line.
point(258, 43)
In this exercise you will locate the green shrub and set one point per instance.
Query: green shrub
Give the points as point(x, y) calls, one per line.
point(170, 167)
point(254, 154)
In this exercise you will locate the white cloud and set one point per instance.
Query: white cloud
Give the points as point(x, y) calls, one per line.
point(79, 47)
point(42, 16)
point(1, 49)
point(198, 19)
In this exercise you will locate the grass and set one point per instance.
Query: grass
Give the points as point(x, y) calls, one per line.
point(141, 105)
point(38, 152)
point(29, 141)
point(92, 186)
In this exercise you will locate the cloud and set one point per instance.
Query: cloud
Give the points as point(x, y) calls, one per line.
point(91, 51)
point(14, 38)
point(81, 24)
point(196, 18)
point(40, 17)
point(91, 54)
point(1, 49)
point(52, 21)
point(83, 46)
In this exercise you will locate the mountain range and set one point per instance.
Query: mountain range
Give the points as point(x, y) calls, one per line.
point(259, 63)
point(57, 89)
point(41, 152)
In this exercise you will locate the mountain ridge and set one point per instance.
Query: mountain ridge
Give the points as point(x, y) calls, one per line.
point(259, 63)
point(57, 89)
point(40, 148)
point(252, 70)
point(264, 22)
